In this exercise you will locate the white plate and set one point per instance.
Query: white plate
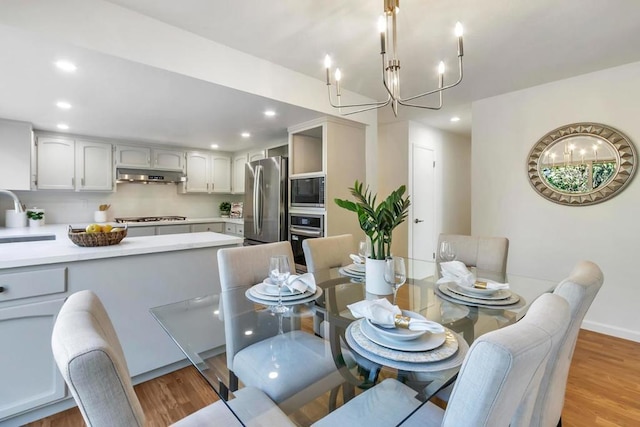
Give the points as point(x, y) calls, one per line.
point(285, 297)
point(350, 273)
point(292, 300)
point(425, 342)
point(355, 267)
point(495, 294)
point(399, 334)
point(475, 301)
point(270, 289)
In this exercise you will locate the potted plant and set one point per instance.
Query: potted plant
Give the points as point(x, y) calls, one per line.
point(378, 223)
point(36, 218)
point(225, 209)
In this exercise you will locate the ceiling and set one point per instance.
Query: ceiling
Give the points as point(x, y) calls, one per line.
point(509, 45)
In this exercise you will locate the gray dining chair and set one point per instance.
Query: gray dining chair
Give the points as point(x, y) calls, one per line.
point(328, 252)
point(306, 368)
point(499, 378)
point(89, 356)
point(579, 290)
point(484, 253)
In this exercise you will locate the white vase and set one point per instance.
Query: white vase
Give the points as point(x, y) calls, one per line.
point(100, 216)
point(35, 222)
point(374, 277)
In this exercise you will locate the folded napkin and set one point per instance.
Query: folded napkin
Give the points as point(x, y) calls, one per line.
point(383, 313)
point(357, 259)
point(303, 283)
point(457, 272)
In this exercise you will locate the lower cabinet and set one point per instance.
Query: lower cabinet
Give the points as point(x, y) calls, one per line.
point(234, 229)
point(173, 229)
point(216, 227)
point(29, 304)
point(141, 231)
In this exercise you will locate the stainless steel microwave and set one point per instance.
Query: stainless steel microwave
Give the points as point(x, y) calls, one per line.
point(307, 192)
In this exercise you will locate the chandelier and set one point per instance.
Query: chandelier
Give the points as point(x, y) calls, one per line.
point(391, 70)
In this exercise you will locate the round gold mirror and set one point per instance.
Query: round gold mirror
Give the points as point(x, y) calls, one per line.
point(581, 164)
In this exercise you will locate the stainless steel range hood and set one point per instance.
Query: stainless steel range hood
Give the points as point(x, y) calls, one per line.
point(148, 176)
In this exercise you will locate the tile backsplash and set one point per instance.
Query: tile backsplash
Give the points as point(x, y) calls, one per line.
point(62, 207)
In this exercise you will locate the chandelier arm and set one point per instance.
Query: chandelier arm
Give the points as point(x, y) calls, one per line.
point(439, 89)
point(364, 109)
point(376, 104)
point(426, 107)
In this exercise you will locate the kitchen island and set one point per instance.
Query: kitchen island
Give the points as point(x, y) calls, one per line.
point(131, 277)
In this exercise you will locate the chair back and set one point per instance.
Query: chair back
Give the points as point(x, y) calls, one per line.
point(239, 269)
point(90, 358)
point(579, 290)
point(484, 253)
point(328, 252)
point(503, 368)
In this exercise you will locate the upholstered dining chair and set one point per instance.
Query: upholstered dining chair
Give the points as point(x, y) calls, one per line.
point(579, 289)
point(485, 253)
point(89, 355)
point(498, 380)
point(306, 368)
point(328, 252)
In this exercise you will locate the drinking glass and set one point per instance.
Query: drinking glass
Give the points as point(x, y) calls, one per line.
point(363, 249)
point(279, 272)
point(447, 251)
point(395, 274)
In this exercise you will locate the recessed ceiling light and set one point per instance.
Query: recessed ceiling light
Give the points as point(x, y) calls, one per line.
point(214, 145)
point(269, 113)
point(66, 66)
point(62, 126)
point(63, 105)
point(245, 134)
point(455, 119)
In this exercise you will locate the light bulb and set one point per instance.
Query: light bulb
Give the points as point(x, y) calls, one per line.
point(441, 68)
point(582, 151)
point(382, 24)
point(459, 29)
point(338, 74)
point(327, 62)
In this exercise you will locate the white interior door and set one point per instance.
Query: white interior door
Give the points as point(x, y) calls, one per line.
point(423, 203)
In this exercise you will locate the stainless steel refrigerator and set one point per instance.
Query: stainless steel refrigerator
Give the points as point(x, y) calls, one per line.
point(265, 201)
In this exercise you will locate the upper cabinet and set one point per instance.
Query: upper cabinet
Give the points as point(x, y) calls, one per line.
point(15, 161)
point(239, 163)
point(129, 156)
point(256, 155)
point(68, 164)
point(208, 172)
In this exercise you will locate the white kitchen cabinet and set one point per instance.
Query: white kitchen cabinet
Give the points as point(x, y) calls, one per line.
point(239, 163)
point(257, 155)
point(168, 159)
point(173, 229)
point(15, 161)
point(29, 304)
point(216, 227)
point(66, 164)
point(208, 173)
point(220, 173)
point(94, 166)
point(234, 229)
point(55, 164)
point(129, 156)
point(141, 231)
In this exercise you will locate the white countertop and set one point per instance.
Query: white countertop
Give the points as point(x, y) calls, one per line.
point(64, 250)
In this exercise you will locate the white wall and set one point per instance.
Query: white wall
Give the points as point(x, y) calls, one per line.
point(547, 239)
point(453, 171)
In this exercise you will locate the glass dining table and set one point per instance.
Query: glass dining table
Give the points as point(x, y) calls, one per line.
point(362, 356)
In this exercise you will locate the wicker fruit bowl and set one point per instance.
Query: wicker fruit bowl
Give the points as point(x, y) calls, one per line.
point(81, 237)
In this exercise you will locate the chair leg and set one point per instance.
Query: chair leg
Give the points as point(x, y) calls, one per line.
point(233, 381)
point(560, 422)
point(333, 399)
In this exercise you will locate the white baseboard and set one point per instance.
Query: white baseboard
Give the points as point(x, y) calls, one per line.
point(602, 328)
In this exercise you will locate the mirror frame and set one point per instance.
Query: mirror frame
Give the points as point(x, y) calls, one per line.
point(625, 156)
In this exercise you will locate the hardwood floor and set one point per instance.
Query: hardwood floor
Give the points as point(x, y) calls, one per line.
point(603, 389)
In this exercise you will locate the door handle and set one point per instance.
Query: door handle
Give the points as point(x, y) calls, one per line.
point(418, 220)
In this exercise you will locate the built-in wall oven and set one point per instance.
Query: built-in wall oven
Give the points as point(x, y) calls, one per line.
point(303, 226)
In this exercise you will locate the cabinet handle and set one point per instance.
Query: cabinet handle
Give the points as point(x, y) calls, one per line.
point(82, 182)
point(1, 289)
point(73, 182)
point(207, 186)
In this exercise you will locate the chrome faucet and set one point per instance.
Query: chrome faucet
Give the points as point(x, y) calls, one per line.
point(16, 202)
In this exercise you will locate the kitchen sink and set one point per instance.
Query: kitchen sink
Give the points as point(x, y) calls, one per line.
point(17, 239)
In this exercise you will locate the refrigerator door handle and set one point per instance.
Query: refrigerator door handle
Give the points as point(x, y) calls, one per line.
point(257, 201)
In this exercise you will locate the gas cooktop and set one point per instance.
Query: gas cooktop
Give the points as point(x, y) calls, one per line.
point(150, 218)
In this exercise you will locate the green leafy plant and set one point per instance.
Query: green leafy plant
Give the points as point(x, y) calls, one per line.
point(377, 222)
point(35, 215)
point(225, 207)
